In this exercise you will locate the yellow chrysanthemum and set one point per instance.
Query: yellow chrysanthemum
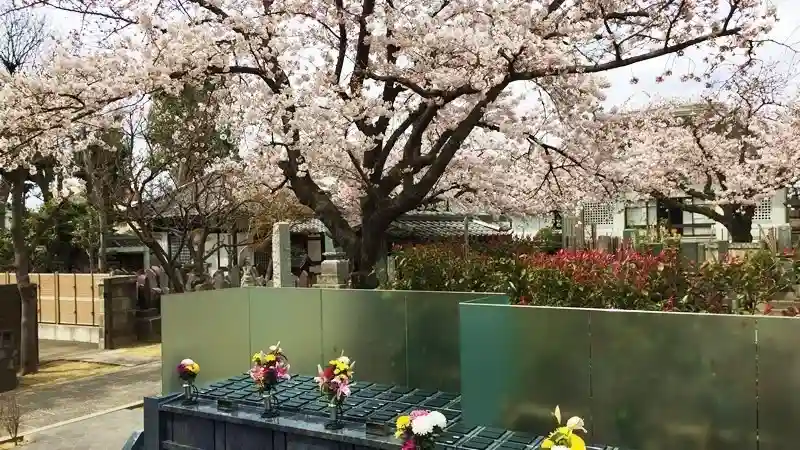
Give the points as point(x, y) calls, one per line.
point(402, 423)
point(195, 368)
point(270, 358)
point(575, 441)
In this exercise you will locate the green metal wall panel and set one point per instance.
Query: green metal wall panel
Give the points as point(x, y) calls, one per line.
point(778, 382)
point(433, 340)
point(370, 327)
point(210, 327)
point(669, 380)
point(518, 363)
point(291, 316)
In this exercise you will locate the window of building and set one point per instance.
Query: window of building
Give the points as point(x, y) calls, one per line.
point(763, 210)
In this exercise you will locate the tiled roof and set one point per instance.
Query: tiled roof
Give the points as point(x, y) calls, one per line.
point(439, 226)
point(423, 225)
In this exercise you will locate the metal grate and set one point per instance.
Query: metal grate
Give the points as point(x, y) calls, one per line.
point(763, 210)
point(260, 258)
point(598, 214)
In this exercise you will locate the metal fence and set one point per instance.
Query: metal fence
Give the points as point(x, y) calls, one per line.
point(397, 337)
point(642, 380)
point(65, 298)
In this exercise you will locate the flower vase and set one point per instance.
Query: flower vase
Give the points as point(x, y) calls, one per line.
point(334, 417)
point(189, 397)
point(270, 406)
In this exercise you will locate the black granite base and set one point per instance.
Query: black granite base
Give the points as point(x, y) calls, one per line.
point(369, 402)
point(171, 425)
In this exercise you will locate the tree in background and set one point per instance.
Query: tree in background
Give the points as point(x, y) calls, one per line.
point(88, 233)
point(718, 156)
point(104, 166)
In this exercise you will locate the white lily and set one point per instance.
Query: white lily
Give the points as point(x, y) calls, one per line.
point(557, 413)
point(275, 347)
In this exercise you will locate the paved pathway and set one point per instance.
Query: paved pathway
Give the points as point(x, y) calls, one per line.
point(79, 351)
point(52, 404)
point(106, 432)
point(53, 350)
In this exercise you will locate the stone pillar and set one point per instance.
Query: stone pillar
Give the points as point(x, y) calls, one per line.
point(281, 256)
point(391, 269)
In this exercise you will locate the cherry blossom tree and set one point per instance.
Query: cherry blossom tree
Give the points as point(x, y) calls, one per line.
point(369, 109)
point(22, 35)
point(725, 151)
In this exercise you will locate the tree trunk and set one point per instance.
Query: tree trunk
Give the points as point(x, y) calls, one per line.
point(371, 250)
point(176, 286)
point(5, 190)
point(92, 267)
point(102, 251)
point(740, 229)
point(739, 222)
point(29, 351)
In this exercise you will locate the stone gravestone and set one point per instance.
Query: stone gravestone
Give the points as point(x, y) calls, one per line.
point(219, 279)
point(281, 255)
point(163, 279)
point(248, 279)
point(234, 276)
point(784, 238)
point(191, 281)
point(335, 268)
point(605, 243)
point(144, 292)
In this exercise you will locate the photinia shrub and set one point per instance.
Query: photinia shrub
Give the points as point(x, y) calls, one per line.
point(626, 279)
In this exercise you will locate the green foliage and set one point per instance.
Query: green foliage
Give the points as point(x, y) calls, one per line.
point(86, 230)
point(57, 247)
point(184, 131)
point(549, 240)
point(595, 279)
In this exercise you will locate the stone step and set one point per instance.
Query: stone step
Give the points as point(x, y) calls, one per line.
point(149, 312)
point(787, 296)
point(148, 329)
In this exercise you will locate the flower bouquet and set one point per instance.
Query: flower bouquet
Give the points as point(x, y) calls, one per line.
point(187, 371)
point(334, 382)
point(418, 429)
point(564, 438)
point(269, 368)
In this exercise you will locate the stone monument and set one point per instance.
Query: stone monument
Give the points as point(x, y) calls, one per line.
point(282, 256)
point(335, 268)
